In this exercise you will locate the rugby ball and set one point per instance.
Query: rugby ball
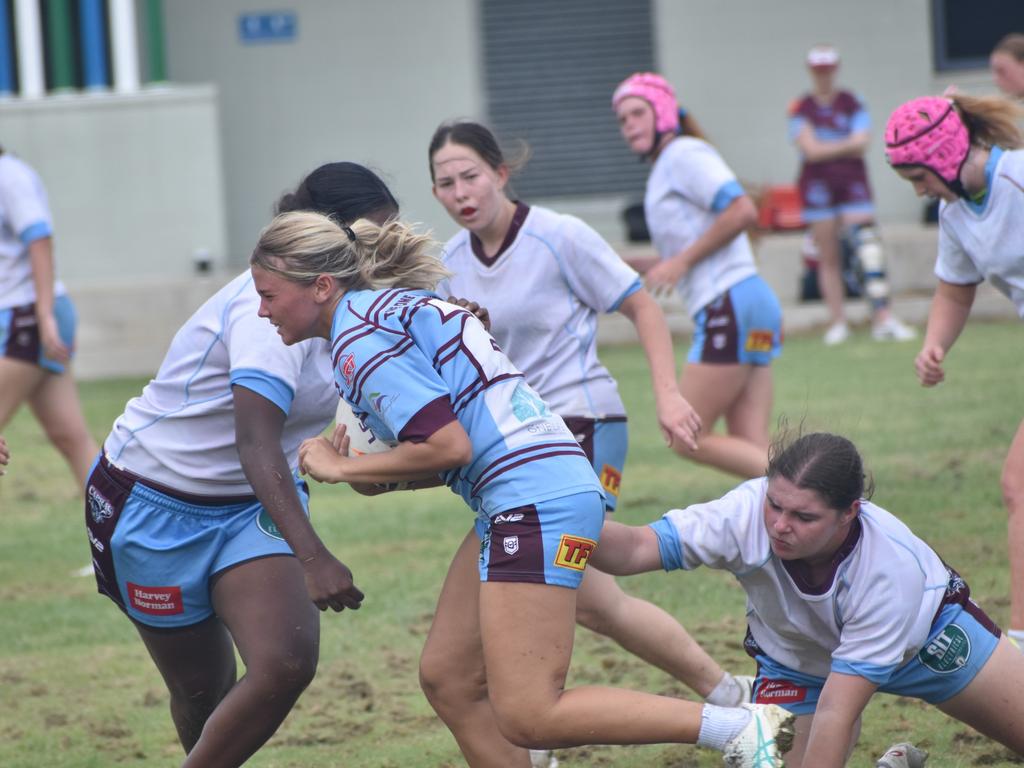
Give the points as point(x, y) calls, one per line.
point(360, 438)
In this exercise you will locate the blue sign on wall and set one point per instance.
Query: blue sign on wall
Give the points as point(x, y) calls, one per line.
point(272, 27)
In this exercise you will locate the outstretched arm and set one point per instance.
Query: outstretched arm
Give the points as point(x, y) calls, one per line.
point(626, 549)
point(947, 317)
point(676, 417)
point(842, 701)
point(258, 427)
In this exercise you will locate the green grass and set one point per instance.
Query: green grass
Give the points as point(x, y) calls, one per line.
point(78, 690)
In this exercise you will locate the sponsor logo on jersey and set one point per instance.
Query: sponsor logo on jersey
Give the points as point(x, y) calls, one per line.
point(510, 517)
point(348, 368)
point(511, 545)
point(156, 601)
point(266, 524)
point(780, 692)
point(99, 508)
point(948, 651)
point(574, 552)
point(759, 341)
point(527, 405)
point(611, 479)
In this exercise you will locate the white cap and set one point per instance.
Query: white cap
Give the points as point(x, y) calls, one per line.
point(822, 56)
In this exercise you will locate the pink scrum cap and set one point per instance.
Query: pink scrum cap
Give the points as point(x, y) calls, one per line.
point(928, 132)
point(656, 91)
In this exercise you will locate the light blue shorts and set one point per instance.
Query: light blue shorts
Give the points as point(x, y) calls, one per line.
point(743, 325)
point(545, 543)
point(155, 551)
point(961, 642)
point(605, 441)
point(19, 333)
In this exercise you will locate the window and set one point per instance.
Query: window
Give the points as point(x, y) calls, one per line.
point(550, 69)
point(966, 31)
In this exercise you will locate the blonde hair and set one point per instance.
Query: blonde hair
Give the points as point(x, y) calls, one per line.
point(1012, 44)
point(990, 120)
point(301, 245)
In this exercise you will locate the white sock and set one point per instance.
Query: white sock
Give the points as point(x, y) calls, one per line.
point(720, 725)
point(1017, 636)
point(728, 693)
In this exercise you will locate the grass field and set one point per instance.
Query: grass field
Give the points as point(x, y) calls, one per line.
point(78, 689)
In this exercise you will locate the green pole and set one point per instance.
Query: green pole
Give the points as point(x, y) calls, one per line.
point(60, 48)
point(155, 41)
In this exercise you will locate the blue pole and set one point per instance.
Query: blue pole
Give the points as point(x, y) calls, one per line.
point(94, 44)
point(6, 51)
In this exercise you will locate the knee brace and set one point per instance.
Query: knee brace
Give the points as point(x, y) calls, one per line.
point(863, 241)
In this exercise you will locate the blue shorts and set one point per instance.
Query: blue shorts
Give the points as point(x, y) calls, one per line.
point(155, 550)
point(19, 333)
point(961, 642)
point(545, 543)
point(743, 325)
point(605, 441)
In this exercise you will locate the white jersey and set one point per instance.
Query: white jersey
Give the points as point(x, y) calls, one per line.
point(872, 616)
point(544, 293)
point(688, 187)
point(986, 242)
point(181, 431)
point(24, 217)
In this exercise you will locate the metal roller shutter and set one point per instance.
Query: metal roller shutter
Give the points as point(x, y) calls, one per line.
point(550, 68)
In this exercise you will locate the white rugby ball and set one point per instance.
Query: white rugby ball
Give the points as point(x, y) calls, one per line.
point(360, 437)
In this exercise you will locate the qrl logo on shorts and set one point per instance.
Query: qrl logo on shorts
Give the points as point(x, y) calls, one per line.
point(156, 601)
point(611, 479)
point(574, 552)
point(948, 651)
point(511, 545)
point(759, 341)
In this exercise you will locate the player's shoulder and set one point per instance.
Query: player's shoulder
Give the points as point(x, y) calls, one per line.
point(848, 101)
point(800, 105)
point(456, 247)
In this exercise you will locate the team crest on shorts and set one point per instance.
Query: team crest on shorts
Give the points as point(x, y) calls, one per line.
point(511, 545)
point(99, 508)
point(948, 652)
point(574, 552)
point(759, 341)
point(266, 524)
point(611, 479)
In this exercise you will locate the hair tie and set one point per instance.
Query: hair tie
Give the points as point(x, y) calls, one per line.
point(351, 235)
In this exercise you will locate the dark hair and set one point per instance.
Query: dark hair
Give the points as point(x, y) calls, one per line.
point(346, 191)
point(824, 463)
point(477, 137)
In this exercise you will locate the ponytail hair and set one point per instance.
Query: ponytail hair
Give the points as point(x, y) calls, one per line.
point(688, 125)
point(990, 120)
point(301, 245)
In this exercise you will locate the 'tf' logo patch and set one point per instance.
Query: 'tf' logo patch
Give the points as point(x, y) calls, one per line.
point(759, 341)
point(574, 552)
point(611, 479)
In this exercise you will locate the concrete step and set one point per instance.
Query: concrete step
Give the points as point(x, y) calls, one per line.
point(125, 328)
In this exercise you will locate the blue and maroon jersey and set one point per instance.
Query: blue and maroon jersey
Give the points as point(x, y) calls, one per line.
point(844, 116)
point(409, 363)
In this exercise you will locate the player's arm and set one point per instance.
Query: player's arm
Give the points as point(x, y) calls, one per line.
point(816, 151)
point(626, 549)
point(676, 417)
point(842, 701)
point(40, 254)
point(446, 448)
point(259, 424)
point(947, 317)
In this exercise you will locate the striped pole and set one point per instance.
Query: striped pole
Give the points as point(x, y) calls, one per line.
point(30, 48)
point(125, 46)
point(94, 44)
point(6, 51)
point(155, 42)
point(60, 45)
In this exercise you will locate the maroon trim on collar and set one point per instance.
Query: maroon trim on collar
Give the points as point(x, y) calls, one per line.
point(801, 574)
point(522, 209)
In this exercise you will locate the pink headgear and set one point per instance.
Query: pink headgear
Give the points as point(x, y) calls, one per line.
point(656, 91)
point(928, 132)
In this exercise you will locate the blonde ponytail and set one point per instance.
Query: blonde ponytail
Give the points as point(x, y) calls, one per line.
point(991, 120)
point(300, 245)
